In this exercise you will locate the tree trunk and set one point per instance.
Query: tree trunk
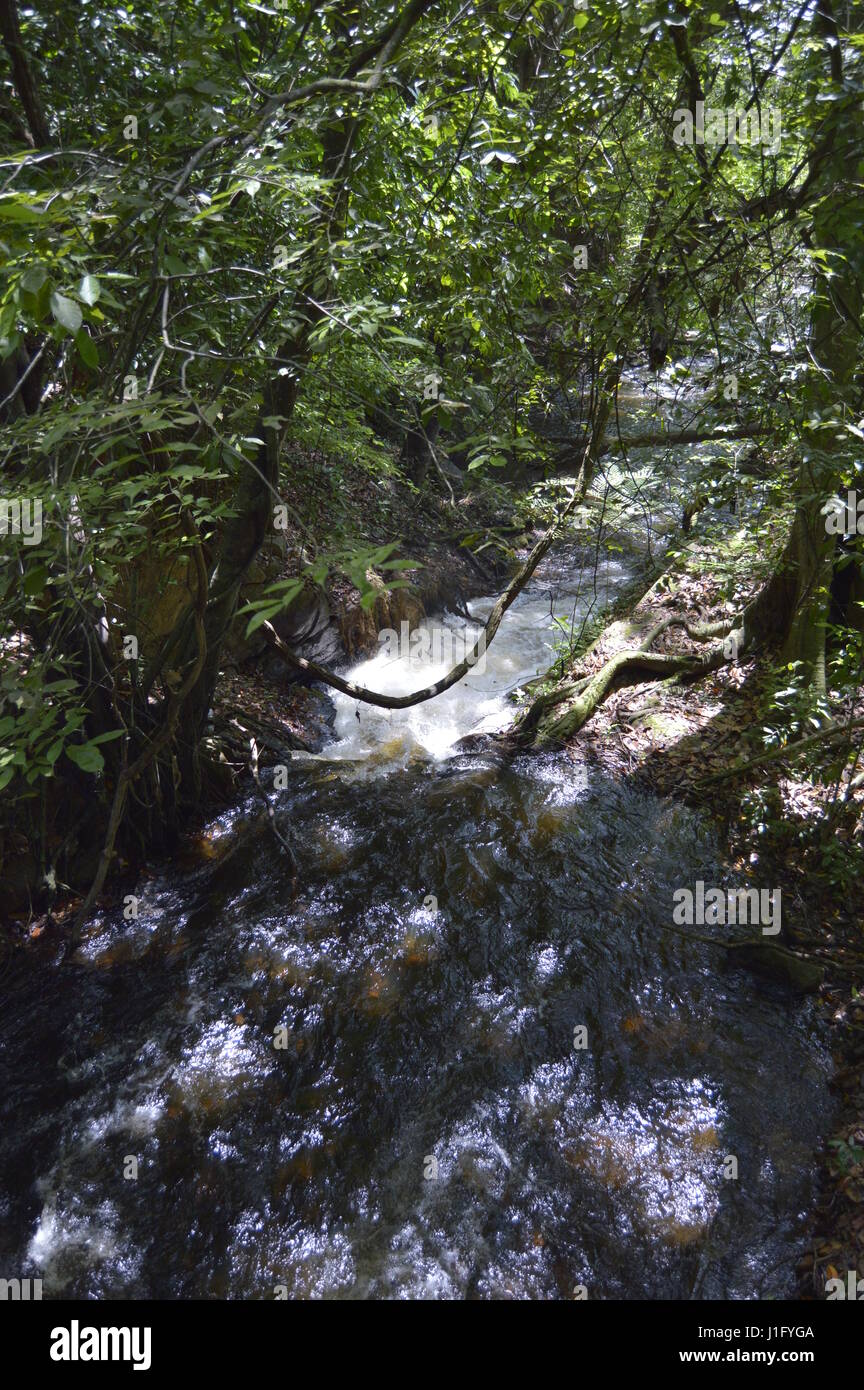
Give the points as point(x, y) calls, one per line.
point(801, 591)
point(22, 76)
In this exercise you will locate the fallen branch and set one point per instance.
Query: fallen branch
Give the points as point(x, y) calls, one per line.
point(774, 754)
point(271, 814)
point(668, 440)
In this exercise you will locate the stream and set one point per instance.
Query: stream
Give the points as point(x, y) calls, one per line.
point(372, 1088)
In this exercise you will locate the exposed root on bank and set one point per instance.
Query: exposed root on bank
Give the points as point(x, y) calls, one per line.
point(542, 729)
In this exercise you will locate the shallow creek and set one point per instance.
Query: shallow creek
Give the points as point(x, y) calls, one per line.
point(429, 1129)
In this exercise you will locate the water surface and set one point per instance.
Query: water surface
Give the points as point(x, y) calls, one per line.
point(430, 1129)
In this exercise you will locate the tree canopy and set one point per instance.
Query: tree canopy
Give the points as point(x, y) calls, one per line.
point(230, 229)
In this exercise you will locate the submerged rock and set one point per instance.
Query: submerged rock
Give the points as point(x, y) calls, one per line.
point(774, 962)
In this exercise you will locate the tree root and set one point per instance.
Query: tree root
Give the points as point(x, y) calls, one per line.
point(271, 734)
point(624, 668)
point(801, 970)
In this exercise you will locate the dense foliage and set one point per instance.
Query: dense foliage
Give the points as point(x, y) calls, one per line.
point(427, 239)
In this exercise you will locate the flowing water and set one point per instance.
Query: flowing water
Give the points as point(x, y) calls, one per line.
point(375, 1088)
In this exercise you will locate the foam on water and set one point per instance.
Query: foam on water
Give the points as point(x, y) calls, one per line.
point(523, 648)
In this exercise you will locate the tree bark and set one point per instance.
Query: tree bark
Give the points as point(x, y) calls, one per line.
point(22, 75)
point(800, 593)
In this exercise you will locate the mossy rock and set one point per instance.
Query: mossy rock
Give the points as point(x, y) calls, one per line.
point(774, 962)
point(665, 725)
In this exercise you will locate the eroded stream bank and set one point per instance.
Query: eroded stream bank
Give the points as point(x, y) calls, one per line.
point(428, 1128)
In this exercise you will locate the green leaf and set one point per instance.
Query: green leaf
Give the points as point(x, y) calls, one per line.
point(87, 349)
point(34, 278)
point(86, 756)
point(53, 753)
point(262, 616)
point(89, 290)
point(13, 210)
point(503, 155)
point(34, 580)
point(66, 312)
